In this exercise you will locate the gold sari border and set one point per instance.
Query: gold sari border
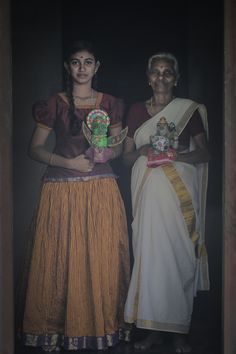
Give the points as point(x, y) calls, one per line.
point(185, 199)
point(159, 326)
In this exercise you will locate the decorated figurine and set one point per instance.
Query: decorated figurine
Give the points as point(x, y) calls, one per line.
point(96, 133)
point(98, 122)
point(163, 144)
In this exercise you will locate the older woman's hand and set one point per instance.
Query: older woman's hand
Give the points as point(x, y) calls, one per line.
point(155, 160)
point(143, 150)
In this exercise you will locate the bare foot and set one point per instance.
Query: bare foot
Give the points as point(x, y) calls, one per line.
point(180, 344)
point(51, 349)
point(152, 339)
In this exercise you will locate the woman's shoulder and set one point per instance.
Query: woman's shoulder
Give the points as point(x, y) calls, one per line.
point(47, 107)
point(186, 101)
point(138, 106)
point(60, 97)
point(109, 97)
point(111, 102)
point(52, 99)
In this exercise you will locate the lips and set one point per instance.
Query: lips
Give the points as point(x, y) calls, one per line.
point(161, 85)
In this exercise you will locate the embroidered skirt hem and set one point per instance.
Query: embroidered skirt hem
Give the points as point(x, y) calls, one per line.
point(51, 341)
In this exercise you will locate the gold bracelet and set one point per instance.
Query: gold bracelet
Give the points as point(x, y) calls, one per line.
point(50, 161)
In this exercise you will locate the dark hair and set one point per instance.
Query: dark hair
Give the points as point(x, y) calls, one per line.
point(75, 47)
point(79, 46)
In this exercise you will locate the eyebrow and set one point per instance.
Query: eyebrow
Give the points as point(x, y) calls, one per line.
point(165, 69)
point(90, 58)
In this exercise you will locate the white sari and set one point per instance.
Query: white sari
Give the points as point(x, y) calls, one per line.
point(170, 260)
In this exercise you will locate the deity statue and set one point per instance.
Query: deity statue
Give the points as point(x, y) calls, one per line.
point(96, 132)
point(163, 143)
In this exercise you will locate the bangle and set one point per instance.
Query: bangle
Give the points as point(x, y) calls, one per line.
point(50, 161)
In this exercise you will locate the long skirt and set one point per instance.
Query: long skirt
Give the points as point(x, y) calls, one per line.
point(79, 268)
point(161, 292)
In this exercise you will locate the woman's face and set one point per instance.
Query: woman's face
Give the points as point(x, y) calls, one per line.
point(82, 67)
point(161, 76)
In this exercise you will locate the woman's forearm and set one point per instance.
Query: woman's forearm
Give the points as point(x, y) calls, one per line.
point(130, 157)
point(196, 156)
point(40, 154)
point(117, 151)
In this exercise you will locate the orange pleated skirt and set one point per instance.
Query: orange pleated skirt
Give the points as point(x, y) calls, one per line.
point(79, 268)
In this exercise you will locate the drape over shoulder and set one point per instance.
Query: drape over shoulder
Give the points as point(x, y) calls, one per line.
point(170, 260)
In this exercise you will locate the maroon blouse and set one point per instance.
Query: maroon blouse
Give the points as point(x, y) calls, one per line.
point(138, 114)
point(53, 114)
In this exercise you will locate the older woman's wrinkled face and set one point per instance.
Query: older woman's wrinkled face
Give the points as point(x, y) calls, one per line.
point(161, 76)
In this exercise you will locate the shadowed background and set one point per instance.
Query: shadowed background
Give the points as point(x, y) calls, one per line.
point(126, 34)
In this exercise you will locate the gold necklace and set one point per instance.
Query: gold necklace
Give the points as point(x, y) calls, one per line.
point(153, 109)
point(77, 98)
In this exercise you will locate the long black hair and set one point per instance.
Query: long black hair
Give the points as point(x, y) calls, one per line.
point(75, 47)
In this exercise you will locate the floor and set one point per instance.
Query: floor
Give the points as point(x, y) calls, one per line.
point(204, 336)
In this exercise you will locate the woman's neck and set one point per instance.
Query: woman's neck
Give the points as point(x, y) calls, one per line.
point(157, 103)
point(161, 100)
point(83, 91)
point(84, 95)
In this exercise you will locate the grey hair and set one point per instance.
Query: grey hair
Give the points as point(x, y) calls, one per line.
point(168, 56)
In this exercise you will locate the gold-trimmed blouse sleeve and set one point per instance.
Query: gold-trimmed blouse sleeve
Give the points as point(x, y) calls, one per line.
point(117, 113)
point(116, 125)
point(40, 125)
point(44, 112)
point(115, 108)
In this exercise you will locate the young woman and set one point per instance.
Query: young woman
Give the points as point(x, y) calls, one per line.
point(79, 269)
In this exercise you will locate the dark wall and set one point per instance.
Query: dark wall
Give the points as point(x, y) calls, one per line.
point(126, 34)
point(206, 75)
point(37, 65)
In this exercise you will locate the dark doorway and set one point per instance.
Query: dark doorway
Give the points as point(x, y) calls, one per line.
point(126, 34)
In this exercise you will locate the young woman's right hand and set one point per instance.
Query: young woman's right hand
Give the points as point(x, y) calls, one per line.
point(81, 163)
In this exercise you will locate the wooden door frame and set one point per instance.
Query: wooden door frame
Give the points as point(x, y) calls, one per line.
point(229, 180)
point(6, 205)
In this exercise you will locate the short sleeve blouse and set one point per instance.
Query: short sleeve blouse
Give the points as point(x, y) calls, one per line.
point(47, 112)
point(53, 114)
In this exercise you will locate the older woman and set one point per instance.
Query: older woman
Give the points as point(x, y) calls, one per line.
point(168, 202)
